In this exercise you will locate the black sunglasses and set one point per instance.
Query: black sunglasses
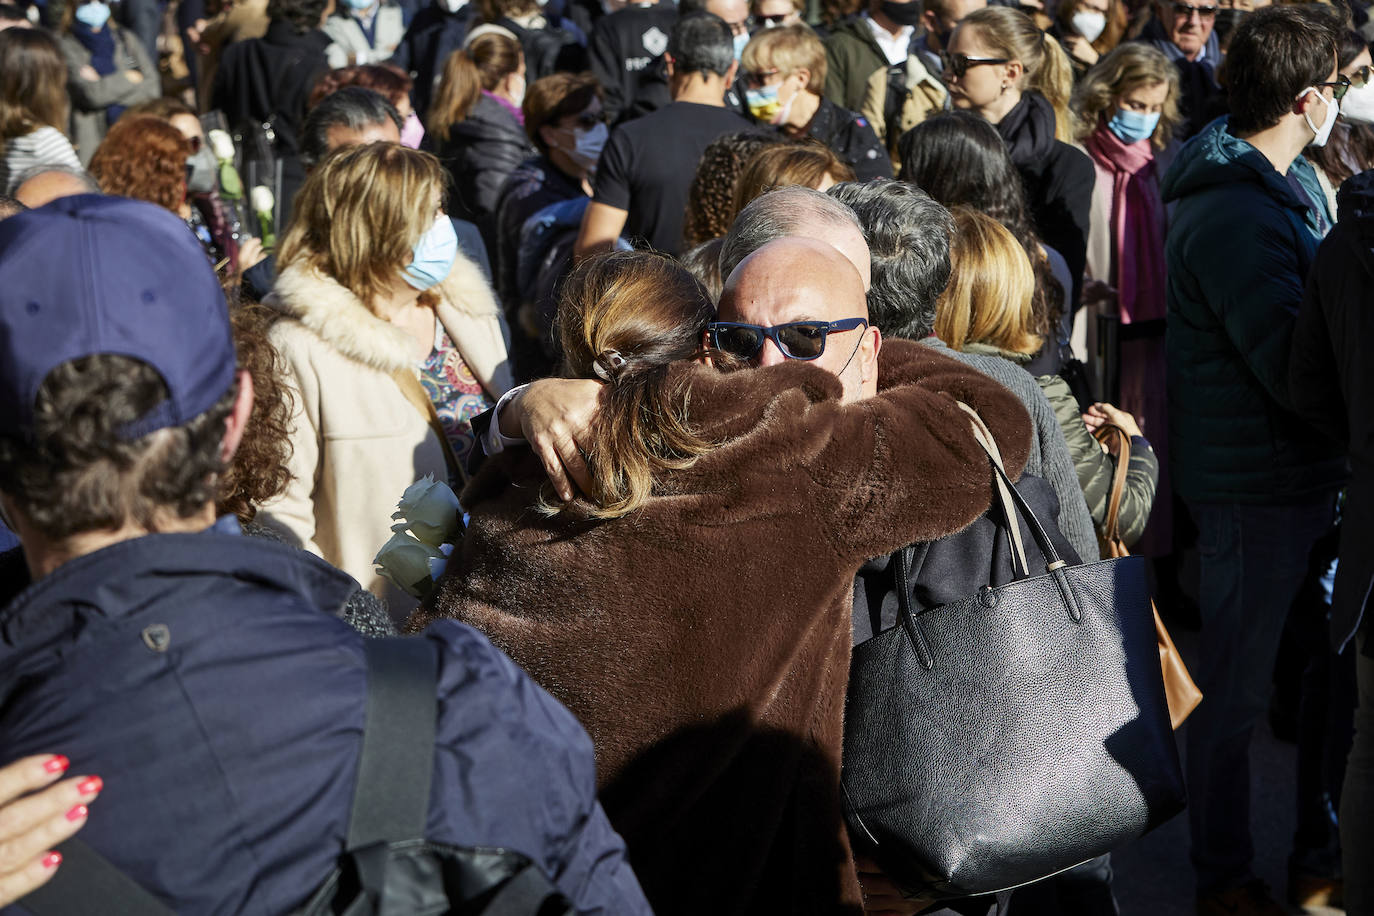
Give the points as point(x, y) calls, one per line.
point(1184, 10)
point(1339, 86)
point(957, 64)
point(796, 339)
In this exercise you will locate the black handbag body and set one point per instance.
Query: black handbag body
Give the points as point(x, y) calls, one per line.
point(997, 740)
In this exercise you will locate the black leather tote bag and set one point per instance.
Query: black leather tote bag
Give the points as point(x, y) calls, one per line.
point(998, 740)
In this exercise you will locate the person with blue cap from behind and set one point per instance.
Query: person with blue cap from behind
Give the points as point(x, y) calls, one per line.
point(200, 676)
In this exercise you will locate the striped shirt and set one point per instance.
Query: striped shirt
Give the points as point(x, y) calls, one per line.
point(44, 146)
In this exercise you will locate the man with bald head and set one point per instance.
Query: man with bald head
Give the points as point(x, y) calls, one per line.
point(767, 317)
point(45, 183)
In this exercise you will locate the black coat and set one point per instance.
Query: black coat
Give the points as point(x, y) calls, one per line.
point(434, 34)
point(851, 137)
point(481, 152)
point(626, 51)
point(1058, 180)
point(269, 79)
point(1331, 380)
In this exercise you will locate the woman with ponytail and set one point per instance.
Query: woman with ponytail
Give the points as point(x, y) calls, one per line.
point(693, 605)
point(476, 124)
point(1002, 67)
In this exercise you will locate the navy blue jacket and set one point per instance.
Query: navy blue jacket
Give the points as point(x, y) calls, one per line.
point(229, 757)
point(432, 36)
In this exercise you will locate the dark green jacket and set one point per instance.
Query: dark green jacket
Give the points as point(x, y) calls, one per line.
point(851, 57)
point(1240, 244)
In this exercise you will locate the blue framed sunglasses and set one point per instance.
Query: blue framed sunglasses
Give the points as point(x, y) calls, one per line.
point(803, 340)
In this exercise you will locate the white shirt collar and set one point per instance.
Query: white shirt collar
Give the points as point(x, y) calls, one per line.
point(895, 48)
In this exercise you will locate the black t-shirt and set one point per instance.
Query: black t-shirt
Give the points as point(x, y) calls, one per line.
point(648, 165)
point(626, 50)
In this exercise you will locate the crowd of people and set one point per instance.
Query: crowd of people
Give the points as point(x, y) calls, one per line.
point(688, 303)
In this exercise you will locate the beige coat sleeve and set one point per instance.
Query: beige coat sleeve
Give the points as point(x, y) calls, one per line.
point(293, 512)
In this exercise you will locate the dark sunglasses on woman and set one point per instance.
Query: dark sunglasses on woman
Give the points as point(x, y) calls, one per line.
point(957, 64)
point(803, 340)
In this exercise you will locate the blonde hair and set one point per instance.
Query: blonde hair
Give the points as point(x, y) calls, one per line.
point(805, 163)
point(1012, 34)
point(483, 64)
point(1129, 66)
point(628, 316)
point(359, 214)
point(788, 48)
point(988, 299)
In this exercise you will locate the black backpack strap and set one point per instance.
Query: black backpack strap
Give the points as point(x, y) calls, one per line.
point(391, 798)
point(86, 877)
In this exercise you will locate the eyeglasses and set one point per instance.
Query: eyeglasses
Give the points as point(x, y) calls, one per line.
point(796, 340)
point(759, 77)
point(1361, 77)
point(1186, 11)
point(1339, 86)
point(196, 144)
point(768, 22)
point(587, 119)
point(957, 64)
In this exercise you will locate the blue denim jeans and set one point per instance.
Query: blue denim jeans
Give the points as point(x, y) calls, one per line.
point(1357, 800)
point(1252, 561)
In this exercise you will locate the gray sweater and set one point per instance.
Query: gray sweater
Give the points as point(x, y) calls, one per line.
point(1049, 453)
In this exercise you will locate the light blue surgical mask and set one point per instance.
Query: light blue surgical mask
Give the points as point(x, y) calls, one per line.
point(93, 15)
point(1132, 126)
point(433, 255)
point(358, 6)
point(740, 42)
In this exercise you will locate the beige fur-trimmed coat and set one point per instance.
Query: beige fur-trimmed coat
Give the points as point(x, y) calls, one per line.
point(357, 443)
point(703, 640)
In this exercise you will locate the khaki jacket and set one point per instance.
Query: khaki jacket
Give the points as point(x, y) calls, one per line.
point(357, 442)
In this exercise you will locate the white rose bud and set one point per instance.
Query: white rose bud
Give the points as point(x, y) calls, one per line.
point(405, 561)
point(430, 510)
point(262, 200)
point(221, 145)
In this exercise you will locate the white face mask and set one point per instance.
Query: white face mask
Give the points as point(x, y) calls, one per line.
point(1333, 109)
point(1089, 23)
point(516, 88)
point(453, 6)
point(1358, 104)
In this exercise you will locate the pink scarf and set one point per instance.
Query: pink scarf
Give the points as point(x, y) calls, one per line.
point(1137, 224)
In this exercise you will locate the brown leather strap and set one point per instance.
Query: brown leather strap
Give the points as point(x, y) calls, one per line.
point(1110, 527)
point(415, 393)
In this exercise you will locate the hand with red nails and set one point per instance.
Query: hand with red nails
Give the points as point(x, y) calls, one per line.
point(34, 819)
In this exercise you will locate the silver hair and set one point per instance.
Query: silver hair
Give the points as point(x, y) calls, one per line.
point(778, 214)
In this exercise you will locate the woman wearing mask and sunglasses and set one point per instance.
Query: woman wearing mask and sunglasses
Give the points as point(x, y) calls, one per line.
point(1350, 148)
point(389, 334)
point(692, 605)
point(540, 210)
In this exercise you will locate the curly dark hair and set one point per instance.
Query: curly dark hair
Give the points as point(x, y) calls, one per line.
point(302, 15)
point(711, 197)
point(259, 470)
point(143, 157)
point(959, 159)
point(75, 474)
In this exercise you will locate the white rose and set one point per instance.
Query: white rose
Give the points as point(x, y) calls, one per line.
point(406, 562)
point(221, 145)
point(430, 510)
point(262, 200)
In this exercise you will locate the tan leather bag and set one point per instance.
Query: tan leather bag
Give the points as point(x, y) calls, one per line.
point(1179, 688)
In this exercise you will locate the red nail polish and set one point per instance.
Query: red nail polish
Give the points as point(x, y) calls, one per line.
point(90, 785)
point(56, 764)
point(52, 860)
point(77, 813)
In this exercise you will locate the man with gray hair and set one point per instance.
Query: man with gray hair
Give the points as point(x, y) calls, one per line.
point(44, 184)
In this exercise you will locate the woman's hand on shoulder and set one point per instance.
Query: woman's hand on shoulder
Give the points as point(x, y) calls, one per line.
point(555, 417)
point(34, 819)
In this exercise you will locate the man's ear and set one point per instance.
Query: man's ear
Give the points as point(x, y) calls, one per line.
point(873, 342)
point(730, 74)
point(668, 62)
point(237, 421)
point(929, 21)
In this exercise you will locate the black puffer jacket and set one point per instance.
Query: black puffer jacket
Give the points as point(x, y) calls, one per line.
point(1059, 182)
point(480, 153)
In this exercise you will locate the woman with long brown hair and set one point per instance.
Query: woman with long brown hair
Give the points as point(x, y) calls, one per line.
point(33, 105)
point(390, 337)
point(692, 607)
point(476, 126)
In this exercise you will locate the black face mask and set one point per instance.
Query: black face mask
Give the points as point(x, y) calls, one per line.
point(1227, 20)
point(902, 13)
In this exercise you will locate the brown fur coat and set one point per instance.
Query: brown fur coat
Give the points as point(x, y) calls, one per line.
point(704, 639)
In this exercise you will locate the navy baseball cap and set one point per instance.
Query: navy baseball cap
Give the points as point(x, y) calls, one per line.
point(93, 274)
